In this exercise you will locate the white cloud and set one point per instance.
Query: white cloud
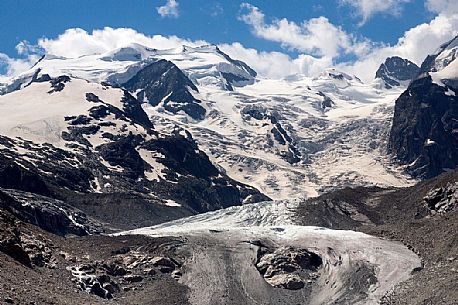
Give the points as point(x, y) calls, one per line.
point(316, 36)
point(367, 8)
point(170, 9)
point(414, 45)
point(26, 48)
point(78, 42)
point(16, 66)
point(447, 7)
point(276, 64)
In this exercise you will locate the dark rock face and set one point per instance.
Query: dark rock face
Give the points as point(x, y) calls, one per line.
point(396, 69)
point(123, 153)
point(10, 241)
point(429, 64)
point(424, 135)
point(23, 245)
point(58, 83)
point(196, 182)
point(164, 82)
point(443, 199)
point(13, 176)
point(133, 110)
point(183, 156)
point(49, 214)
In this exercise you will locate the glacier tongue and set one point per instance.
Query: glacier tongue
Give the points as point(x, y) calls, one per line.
point(224, 246)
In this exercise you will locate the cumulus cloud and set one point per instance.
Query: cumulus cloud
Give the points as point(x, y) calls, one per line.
point(316, 36)
point(78, 42)
point(170, 9)
point(26, 48)
point(414, 45)
point(367, 8)
point(447, 7)
point(276, 64)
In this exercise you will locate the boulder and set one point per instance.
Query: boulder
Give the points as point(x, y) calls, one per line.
point(133, 278)
point(287, 281)
point(287, 267)
point(443, 199)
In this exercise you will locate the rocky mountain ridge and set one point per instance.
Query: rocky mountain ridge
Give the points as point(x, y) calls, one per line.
point(424, 135)
point(174, 152)
point(396, 71)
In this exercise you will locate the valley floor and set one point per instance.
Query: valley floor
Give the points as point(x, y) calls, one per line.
point(409, 256)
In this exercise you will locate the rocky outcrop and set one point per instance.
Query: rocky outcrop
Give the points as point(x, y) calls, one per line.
point(25, 247)
point(424, 134)
point(10, 241)
point(444, 199)
point(124, 271)
point(49, 214)
point(163, 83)
point(287, 267)
point(58, 83)
point(396, 70)
point(14, 176)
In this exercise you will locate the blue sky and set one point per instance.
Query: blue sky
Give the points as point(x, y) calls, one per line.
point(218, 22)
point(213, 21)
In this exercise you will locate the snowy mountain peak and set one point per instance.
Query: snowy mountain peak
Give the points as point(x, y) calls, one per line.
point(334, 79)
point(208, 66)
point(396, 71)
point(443, 66)
point(205, 66)
point(448, 46)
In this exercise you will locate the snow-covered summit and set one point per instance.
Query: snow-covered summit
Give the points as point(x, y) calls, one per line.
point(206, 66)
point(395, 72)
point(442, 66)
point(292, 137)
point(333, 78)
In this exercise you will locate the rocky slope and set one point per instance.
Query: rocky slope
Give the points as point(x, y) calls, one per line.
point(424, 135)
point(102, 142)
point(423, 217)
point(268, 250)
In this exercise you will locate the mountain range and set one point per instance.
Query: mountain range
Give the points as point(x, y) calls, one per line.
point(138, 174)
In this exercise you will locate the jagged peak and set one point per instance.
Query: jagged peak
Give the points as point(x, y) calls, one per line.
point(451, 44)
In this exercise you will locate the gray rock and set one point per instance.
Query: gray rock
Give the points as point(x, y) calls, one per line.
point(443, 199)
point(287, 267)
point(133, 278)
